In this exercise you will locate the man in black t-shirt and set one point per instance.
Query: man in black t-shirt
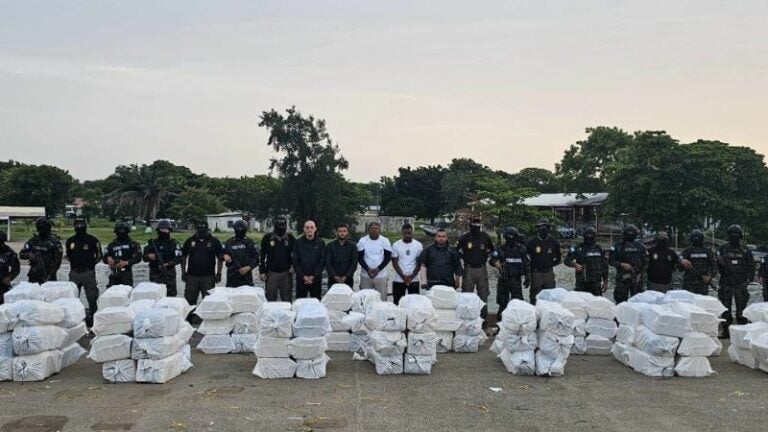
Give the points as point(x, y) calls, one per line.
point(544, 252)
point(276, 261)
point(662, 261)
point(201, 263)
point(83, 252)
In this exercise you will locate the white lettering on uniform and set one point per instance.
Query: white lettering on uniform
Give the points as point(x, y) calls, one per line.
point(514, 260)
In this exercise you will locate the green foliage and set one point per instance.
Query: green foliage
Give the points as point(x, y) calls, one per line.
point(258, 195)
point(461, 183)
point(582, 168)
point(414, 192)
point(36, 185)
point(193, 204)
point(538, 179)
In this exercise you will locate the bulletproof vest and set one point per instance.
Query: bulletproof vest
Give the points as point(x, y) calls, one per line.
point(239, 250)
point(514, 259)
point(735, 269)
point(632, 253)
point(591, 257)
point(121, 250)
point(166, 248)
point(6, 260)
point(700, 259)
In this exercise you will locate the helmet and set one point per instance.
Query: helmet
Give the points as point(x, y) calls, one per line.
point(697, 237)
point(662, 235)
point(511, 231)
point(735, 229)
point(122, 228)
point(240, 225)
point(590, 231)
point(543, 222)
point(630, 230)
point(79, 221)
point(43, 224)
point(164, 224)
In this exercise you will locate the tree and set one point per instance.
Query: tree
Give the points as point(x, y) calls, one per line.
point(538, 179)
point(583, 166)
point(258, 195)
point(500, 198)
point(140, 191)
point(460, 184)
point(416, 191)
point(36, 185)
point(193, 204)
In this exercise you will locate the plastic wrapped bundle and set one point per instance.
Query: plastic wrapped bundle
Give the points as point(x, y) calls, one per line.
point(602, 327)
point(110, 348)
point(420, 314)
point(742, 356)
point(244, 323)
point(74, 311)
point(519, 317)
point(554, 345)
point(597, 345)
point(757, 312)
point(339, 341)
point(23, 291)
point(312, 321)
point(444, 341)
point(649, 364)
point(517, 342)
point(37, 367)
point(693, 367)
point(742, 335)
point(649, 297)
point(356, 323)
point(214, 307)
point(385, 317)
point(620, 352)
point(112, 320)
point(71, 354)
point(552, 294)
point(519, 362)
point(579, 345)
point(119, 371)
point(6, 369)
point(422, 344)
point(700, 320)
point(140, 305)
point(710, 304)
point(216, 344)
point(625, 334)
point(6, 345)
point(415, 364)
point(661, 320)
point(301, 302)
point(388, 365)
point(679, 296)
point(358, 343)
point(275, 368)
point(759, 347)
point(312, 368)
point(179, 304)
point(54, 290)
point(601, 307)
point(162, 370)
point(338, 298)
point(655, 344)
point(468, 344)
point(247, 299)
point(272, 347)
point(75, 333)
point(471, 327)
point(576, 303)
point(154, 323)
point(33, 340)
point(156, 348)
point(549, 366)
point(244, 343)
point(580, 327)
point(629, 313)
point(388, 344)
point(115, 296)
point(554, 318)
point(699, 345)
point(27, 313)
point(307, 348)
point(364, 298)
point(216, 327)
point(446, 320)
point(276, 322)
point(337, 321)
point(149, 291)
point(443, 297)
point(468, 306)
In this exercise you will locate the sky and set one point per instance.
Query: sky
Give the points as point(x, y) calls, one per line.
point(88, 85)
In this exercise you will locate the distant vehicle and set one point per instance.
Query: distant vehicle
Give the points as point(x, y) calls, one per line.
point(566, 232)
point(758, 253)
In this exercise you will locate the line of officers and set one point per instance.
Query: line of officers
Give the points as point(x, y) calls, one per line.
point(283, 260)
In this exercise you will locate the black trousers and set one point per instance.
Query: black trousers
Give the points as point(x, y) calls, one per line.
point(168, 278)
point(121, 277)
point(312, 290)
point(399, 289)
point(506, 290)
point(235, 279)
point(730, 294)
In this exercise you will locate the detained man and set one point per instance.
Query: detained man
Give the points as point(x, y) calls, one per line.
point(405, 255)
point(341, 258)
point(308, 262)
point(374, 253)
point(441, 262)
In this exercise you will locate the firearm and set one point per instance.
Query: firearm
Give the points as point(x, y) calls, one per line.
point(233, 263)
point(38, 267)
point(159, 260)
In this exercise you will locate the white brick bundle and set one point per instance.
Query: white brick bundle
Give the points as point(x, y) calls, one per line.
point(338, 301)
point(555, 338)
point(594, 325)
point(421, 349)
point(386, 338)
point(445, 301)
point(231, 319)
point(749, 342)
point(516, 342)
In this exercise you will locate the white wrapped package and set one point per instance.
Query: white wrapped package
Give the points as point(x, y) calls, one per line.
point(119, 371)
point(338, 298)
point(6, 345)
point(37, 367)
point(356, 322)
point(71, 354)
point(312, 368)
point(625, 334)
point(696, 344)
point(553, 344)
point(385, 317)
point(23, 291)
point(661, 320)
point(74, 311)
point(422, 344)
point(757, 312)
point(156, 348)
point(274, 368)
point(363, 298)
point(655, 344)
point(519, 362)
point(579, 346)
point(549, 366)
point(312, 321)
point(649, 297)
point(552, 294)
point(301, 302)
point(598, 345)
point(620, 352)
point(244, 342)
point(693, 367)
point(414, 364)
point(214, 307)
point(185, 331)
point(272, 347)
point(701, 321)
point(519, 317)
point(576, 303)
point(275, 322)
point(358, 343)
point(629, 313)
point(742, 356)
point(216, 344)
point(759, 348)
point(33, 340)
point(216, 327)
point(137, 306)
point(246, 299)
point(471, 327)
point(27, 313)
point(602, 327)
point(446, 320)
point(110, 348)
point(601, 307)
point(6, 368)
point(153, 323)
point(179, 304)
point(115, 296)
point(710, 304)
point(339, 341)
point(148, 291)
point(742, 335)
point(514, 342)
point(554, 318)
point(468, 344)
point(388, 344)
point(162, 370)
point(112, 320)
point(580, 327)
point(54, 290)
point(245, 322)
point(679, 296)
point(420, 314)
point(468, 306)
point(444, 341)
point(75, 333)
point(443, 297)
point(650, 365)
point(387, 365)
point(338, 323)
point(307, 348)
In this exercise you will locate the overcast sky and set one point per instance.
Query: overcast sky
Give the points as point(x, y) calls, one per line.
point(87, 85)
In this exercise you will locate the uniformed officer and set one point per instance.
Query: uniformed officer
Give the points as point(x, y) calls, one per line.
point(201, 264)
point(662, 262)
point(474, 249)
point(163, 255)
point(441, 262)
point(83, 252)
point(630, 259)
point(241, 256)
point(276, 263)
point(43, 251)
point(544, 252)
point(9, 266)
point(590, 263)
point(121, 255)
point(511, 259)
point(698, 264)
point(764, 278)
point(737, 270)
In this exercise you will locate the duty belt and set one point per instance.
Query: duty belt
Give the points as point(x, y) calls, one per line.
point(541, 270)
point(82, 269)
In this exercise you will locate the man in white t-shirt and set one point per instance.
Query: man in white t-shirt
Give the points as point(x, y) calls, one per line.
point(374, 253)
point(405, 254)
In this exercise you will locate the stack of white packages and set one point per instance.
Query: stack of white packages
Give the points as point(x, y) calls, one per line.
point(594, 325)
point(470, 333)
point(112, 325)
point(749, 342)
point(554, 338)
point(39, 330)
point(421, 351)
point(338, 301)
point(387, 341)
point(271, 349)
point(516, 342)
point(444, 299)
point(310, 329)
point(230, 319)
point(358, 340)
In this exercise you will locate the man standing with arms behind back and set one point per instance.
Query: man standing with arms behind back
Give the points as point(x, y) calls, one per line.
point(200, 263)
point(374, 253)
point(276, 263)
point(308, 262)
point(341, 258)
point(441, 262)
point(405, 254)
point(544, 252)
point(83, 252)
point(474, 249)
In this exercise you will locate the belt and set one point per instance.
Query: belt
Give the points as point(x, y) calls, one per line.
point(477, 266)
point(82, 270)
point(541, 271)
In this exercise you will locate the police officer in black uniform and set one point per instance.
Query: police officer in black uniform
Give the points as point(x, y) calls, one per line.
point(121, 255)
point(44, 253)
point(662, 262)
point(545, 254)
point(163, 255)
point(9, 266)
point(737, 270)
point(511, 259)
point(590, 263)
point(241, 256)
point(276, 262)
point(83, 252)
point(201, 263)
point(698, 264)
point(630, 259)
point(474, 249)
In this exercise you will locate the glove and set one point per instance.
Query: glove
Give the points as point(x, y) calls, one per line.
point(218, 277)
point(527, 283)
point(184, 277)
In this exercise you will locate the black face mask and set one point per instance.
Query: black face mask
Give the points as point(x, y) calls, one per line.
point(44, 232)
point(80, 230)
point(474, 229)
point(122, 235)
point(589, 239)
point(202, 231)
point(510, 239)
point(240, 233)
point(697, 241)
point(733, 238)
point(543, 232)
point(629, 238)
point(280, 229)
point(662, 243)
point(163, 235)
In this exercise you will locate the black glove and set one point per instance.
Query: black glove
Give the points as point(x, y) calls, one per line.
point(218, 277)
point(184, 277)
point(527, 283)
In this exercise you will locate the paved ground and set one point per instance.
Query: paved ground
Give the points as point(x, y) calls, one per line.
point(220, 394)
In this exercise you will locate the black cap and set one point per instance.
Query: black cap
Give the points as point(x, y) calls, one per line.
point(735, 228)
point(511, 231)
point(630, 230)
point(122, 227)
point(164, 224)
point(590, 230)
point(42, 222)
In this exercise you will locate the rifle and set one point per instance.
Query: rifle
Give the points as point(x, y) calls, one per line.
point(39, 266)
point(160, 261)
point(233, 263)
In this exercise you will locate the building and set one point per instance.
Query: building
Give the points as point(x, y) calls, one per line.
point(225, 221)
point(388, 223)
point(577, 211)
point(76, 208)
point(9, 213)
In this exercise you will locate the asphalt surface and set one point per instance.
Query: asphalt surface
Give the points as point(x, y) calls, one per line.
point(221, 394)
